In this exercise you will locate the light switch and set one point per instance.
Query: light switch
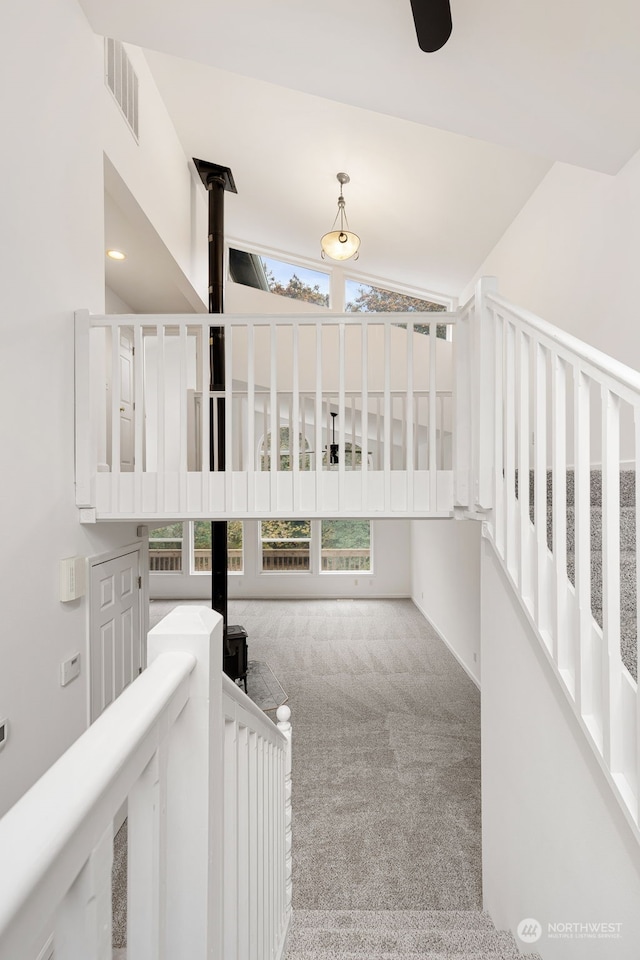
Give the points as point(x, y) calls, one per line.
point(72, 578)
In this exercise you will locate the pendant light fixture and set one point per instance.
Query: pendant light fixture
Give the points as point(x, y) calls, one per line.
point(340, 243)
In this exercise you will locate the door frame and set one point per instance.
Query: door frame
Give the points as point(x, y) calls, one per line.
point(141, 545)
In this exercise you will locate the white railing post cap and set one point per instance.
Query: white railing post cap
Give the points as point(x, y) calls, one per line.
point(283, 714)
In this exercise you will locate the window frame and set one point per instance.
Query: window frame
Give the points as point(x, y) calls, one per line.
point(342, 573)
point(285, 573)
point(172, 573)
point(192, 555)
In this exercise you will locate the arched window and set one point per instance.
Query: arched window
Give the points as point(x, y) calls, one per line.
point(285, 452)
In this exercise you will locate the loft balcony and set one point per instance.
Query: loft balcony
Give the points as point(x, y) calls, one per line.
point(374, 393)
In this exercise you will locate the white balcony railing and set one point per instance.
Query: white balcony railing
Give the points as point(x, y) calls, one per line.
point(207, 781)
point(149, 445)
point(556, 435)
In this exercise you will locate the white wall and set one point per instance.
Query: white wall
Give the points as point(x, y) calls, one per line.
point(445, 584)
point(390, 577)
point(556, 846)
point(114, 304)
point(51, 236)
point(571, 256)
point(158, 174)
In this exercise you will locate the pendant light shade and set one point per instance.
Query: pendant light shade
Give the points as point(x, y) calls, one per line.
point(340, 243)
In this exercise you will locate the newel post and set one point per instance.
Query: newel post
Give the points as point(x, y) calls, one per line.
point(483, 387)
point(185, 801)
point(283, 714)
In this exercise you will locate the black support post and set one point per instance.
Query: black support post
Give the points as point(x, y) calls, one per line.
point(217, 179)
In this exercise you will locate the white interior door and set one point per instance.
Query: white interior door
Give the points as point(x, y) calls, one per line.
point(115, 641)
point(126, 399)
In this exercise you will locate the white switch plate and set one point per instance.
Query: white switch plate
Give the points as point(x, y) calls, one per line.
point(72, 578)
point(69, 670)
point(4, 732)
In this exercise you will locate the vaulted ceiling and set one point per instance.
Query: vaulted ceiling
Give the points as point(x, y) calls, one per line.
point(443, 149)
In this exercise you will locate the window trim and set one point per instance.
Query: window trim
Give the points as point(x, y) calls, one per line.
point(349, 573)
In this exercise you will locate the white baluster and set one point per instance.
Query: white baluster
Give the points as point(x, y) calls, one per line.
point(559, 503)
point(511, 559)
point(184, 432)
point(83, 920)
point(283, 714)
point(500, 505)
point(523, 465)
point(294, 422)
point(462, 418)
point(611, 662)
point(341, 415)
point(230, 885)
point(540, 488)
point(251, 421)
point(485, 397)
point(146, 863)
point(138, 416)
point(433, 423)
point(244, 828)
point(161, 464)
point(254, 834)
point(205, 417)
point(387, 416)
point(116, 393)
point(364, 415)
point(228, 425)
point(318, 417)
point(275, 418)
point(582, 499)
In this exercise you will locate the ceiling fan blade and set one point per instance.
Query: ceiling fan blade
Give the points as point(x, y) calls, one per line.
point(433, 23)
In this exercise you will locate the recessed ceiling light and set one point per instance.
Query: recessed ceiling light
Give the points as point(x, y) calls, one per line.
point(116, 254)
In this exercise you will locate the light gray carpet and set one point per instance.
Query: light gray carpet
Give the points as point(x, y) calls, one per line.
point(392, 935)
point(386, 757)
point(386, 772)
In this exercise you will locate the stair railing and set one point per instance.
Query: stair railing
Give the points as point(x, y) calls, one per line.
point(553, 416)
point(143, 442)
point(206, 779)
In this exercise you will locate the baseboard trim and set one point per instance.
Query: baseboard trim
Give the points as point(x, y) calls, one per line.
point(451, 650)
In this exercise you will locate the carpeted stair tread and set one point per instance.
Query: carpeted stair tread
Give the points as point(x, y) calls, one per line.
point(391, 919)
point(445, 953)
point(396, 934)
point(367, 943)
point(627, 526)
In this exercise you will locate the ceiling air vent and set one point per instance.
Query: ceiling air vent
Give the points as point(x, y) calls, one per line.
point(121, 79)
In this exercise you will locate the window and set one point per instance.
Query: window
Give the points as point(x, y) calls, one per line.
point(364, 298)
point(165, 549)
point(202, 546)
point(286, 451)
point(277, 276)
point(285, 545)
point(346, 545)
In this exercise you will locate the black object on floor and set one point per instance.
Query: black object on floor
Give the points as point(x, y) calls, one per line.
point(236, 653)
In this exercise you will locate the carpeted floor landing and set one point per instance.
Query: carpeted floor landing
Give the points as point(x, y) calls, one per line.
point(386, 768)
point(386, 755)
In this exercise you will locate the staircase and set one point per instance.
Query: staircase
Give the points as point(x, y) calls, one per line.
point(398, 934)
point(628, 611)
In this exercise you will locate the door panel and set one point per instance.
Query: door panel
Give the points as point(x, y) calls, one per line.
point(115, 642)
